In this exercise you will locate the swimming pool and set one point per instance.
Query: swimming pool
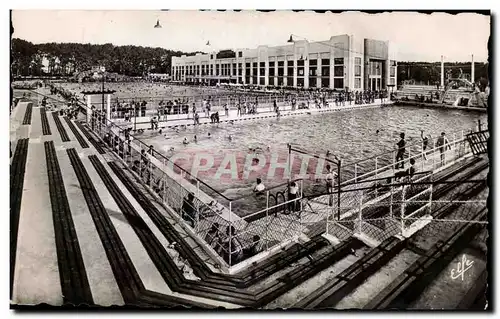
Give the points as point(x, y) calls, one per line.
point(225, 159)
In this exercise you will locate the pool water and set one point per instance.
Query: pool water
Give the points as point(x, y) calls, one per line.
point(351, 135)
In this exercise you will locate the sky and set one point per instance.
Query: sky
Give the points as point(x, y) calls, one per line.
point(417, 37)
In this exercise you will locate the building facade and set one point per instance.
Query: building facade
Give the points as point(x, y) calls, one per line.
point(342, 62)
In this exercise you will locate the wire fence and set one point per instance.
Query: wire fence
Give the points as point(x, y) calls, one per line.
point(408, 208)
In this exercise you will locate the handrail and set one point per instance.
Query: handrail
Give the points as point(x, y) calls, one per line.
point(414, 156)
point(392, 150)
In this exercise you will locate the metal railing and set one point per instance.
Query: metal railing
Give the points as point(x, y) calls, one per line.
point(408, 208)
point(372, 166)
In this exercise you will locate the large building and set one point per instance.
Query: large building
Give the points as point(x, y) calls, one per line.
point(343, 62)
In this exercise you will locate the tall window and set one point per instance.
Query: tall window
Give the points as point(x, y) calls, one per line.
point(290, 68)
point(338, 83)
point(325, 82)
point(262, 68)
point(300, 68)
point(254, 76)
point(357, 83)
point(338, 73)
point(325, 69)
point(338, 70)
point(313, 68)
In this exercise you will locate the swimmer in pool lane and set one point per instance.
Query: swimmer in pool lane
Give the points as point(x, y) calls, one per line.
point(185, 141)
point(195, 139)
point(230, 138)
point(259, 188)
point(209, 136)
point(376, 133)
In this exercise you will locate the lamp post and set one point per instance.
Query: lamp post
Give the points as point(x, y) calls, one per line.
point(103, 69)
point(135, 117)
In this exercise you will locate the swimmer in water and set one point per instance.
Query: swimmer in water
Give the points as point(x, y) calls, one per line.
point(231, 122)
point(327, 153)
point(176, 130)
point(230, 138)
point(377, 132)
point(209, 136)
point(185, 141)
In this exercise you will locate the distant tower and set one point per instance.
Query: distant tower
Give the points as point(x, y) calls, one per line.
point(472, 78)
point(442, 71)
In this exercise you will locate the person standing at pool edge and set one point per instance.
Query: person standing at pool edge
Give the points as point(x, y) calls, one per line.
point(442, 142)
point(425, 143)
point(401, 152)
point(329, 183)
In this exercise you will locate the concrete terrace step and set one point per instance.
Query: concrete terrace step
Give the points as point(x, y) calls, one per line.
point(74, 281)
point(102, 282)
point(17, 172)
point(36, 275)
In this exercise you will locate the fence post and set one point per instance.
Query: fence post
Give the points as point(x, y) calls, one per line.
point(230, 234)
point(430, 195)
point(360, 216)
point(140, 160)
point(433, 157)
point(198, 209)
point(338, 189)
point(393, 160)
point(150, 173)
point(164, 179)
point(455, 145)
point(376, 175)
point(391, 200)
point(355, 173)
point(301, 194)
point(402, 209)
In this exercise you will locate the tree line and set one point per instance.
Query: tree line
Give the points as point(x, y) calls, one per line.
point(67, 58)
